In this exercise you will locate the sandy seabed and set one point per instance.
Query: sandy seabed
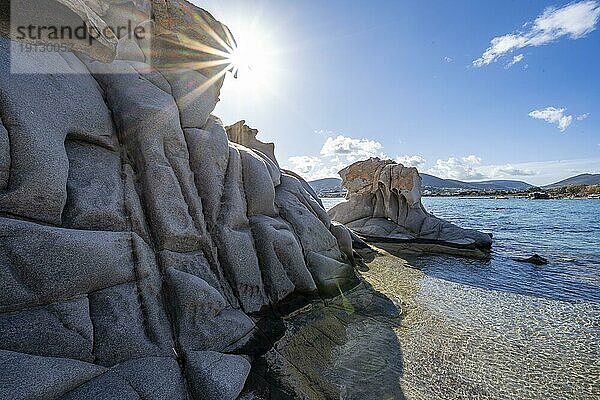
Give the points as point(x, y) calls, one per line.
point(458, 341)
point(402, 334)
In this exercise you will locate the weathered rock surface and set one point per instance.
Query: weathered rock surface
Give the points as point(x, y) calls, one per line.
point(141, 249)
point(246, 136)
point(343, 348)
point(384, 206)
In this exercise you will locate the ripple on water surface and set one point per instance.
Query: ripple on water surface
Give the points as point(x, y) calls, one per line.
point(459, 341)
point(499, 329)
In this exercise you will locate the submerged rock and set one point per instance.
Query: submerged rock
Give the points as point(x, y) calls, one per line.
point(384, 206)
point(343, 348)
point(535, 259)
point(141, 247)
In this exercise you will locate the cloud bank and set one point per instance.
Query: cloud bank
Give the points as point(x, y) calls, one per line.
point(350, 148)
point(411, 161)
point(457, 168)
point(336, 153)
point(340, 152)
point(573, 21)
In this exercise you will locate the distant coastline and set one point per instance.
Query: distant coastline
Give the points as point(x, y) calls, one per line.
point(577, 187)
point(565, 192)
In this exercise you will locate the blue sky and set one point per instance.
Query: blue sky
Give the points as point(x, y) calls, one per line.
point(422, 83)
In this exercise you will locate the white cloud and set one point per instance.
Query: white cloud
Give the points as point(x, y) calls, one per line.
point(336, 153)
point(312, 168)
point(515, 59)
point(509, 171)
point(575, 20)
point(351, 148)
point(457, 168)
point(553, 115)
point(448, 59)
point(472, 159)
point(411, 161)
point(464, 168)
point(304, 164)
point(582, 116)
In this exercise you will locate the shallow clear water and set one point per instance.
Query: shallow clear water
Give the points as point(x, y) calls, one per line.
point(498, 329)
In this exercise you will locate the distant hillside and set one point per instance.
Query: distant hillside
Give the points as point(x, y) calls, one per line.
point(583, 179)
point(326, 185)
point(432, 183)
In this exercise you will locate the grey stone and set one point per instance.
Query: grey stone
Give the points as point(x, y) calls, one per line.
point(189, 37)
point(94, 188)
point(65, 13)
point(216, 376)
point(305, 185)
point(150, 74)
point(331, 276)
point(133, 206)
point(136, 232)
point(27, 377)
point(39, 111)
point(41, 264)
point(61, 330)
point(154, 378)
point(140, 107)
point(204, 319)
point(104, 387)
point(119, 326)
point(295, 207)
point(121, 12)
point(343, 238)
point(128, 49)
point(258, 184)
point(193, 295)
point(283, 266)
point(209, 155)
point(150, 291)
point(195, 94)
point(235, 242)
point(4, 157)
point(196, 264)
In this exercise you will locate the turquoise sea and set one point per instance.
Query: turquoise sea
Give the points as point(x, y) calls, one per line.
point(498, 328)
point(566, 232)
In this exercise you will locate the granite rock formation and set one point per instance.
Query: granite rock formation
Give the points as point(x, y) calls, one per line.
point(141, 250)
point(384, 206)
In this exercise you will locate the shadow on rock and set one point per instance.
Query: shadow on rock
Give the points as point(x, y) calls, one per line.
point(342, 348)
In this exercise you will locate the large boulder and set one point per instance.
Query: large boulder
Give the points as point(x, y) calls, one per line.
point(141, 248)
point(384, 206)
